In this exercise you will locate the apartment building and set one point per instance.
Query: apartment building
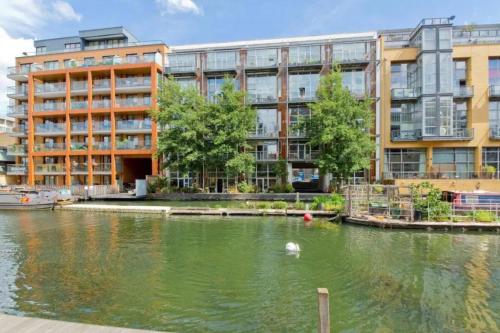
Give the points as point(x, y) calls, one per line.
point(81, 103)
point(440, 105)
point(81, 107)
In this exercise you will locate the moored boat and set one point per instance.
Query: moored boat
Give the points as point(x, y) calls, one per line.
point(26, 200)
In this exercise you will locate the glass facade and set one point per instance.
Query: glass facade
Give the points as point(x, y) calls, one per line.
point(491, 157)
point(262, 58)
point(445, 72)
point(267, 123)
point(494, 72)
point(262, 88)
point(187, 82)
point(296, 116)
point(495, 115)
point(305, 54)
point(354, 80)
point(404, 75)
point(182, 62)
point(214, 85)
point(222, 60)
point(429, 73)
point(302, 86)
point(404, 163)
point(453, 162)
point(349, 52)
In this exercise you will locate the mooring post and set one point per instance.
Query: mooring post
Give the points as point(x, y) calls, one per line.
point(323, 311)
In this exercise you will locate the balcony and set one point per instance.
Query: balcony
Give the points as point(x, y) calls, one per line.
point(101, 145)
point(264, 133)
point(263, 156)
point(101, 168)
point(17, 169)
point(494, 91)
point(404, 93)
point(50, 169)
point(310, 156)
point(136, 84)
point(463, 92)
point(79, 88)
point(101, 86)
point(19, 131)
point(18, 111)
point(79, 127)
point(495, 133)
point(350, 56)
point(50, 107)
point(445, 173)
point(133, 126)
point(79, 105)
point(18, 73)
point(51, 90)
point(101, 104)
point(17, 92)
point(306, 62)
point(294, 132)
point(408, 135)
point(43, 147)
point(51, 129)
point(17, 150)
point(79, 168)
point(261, 99)
point(457, 134)
point(131, 145)
point(298, 98)
point(79, 146)
point(99, 127)
point(133, 102)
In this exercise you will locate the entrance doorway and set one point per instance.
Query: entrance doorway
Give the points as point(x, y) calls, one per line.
point(136, 168)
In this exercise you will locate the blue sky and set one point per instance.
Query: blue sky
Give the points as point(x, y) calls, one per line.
point(178, 22)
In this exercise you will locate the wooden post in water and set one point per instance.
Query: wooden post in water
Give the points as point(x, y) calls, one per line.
point(323, 311)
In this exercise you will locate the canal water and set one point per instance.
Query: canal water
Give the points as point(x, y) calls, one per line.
point(202, 274)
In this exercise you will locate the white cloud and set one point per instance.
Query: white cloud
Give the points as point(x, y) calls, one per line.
point(175, 6)
point(11, 48)
point(26, 17)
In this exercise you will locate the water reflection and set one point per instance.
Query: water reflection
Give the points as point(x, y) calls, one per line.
point(213, 274)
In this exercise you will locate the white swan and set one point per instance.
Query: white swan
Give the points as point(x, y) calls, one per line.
point(292, 247)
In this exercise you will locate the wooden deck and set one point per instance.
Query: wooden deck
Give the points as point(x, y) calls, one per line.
point(31, 325)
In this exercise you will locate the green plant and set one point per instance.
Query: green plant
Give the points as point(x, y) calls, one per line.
point(299, 205)
point(282, 188)
point(279, 205)
point(333, 202)
point(263, 205)
point(484, 216)
point(244, 187)
point(427, 200)
point(489, 169)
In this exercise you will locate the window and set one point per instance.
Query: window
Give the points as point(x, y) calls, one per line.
point(430, 115)
point(267, 122)
point(404, 163)
point(41, 50)
point(446, 116)
point(354, 80)
point(459, 73)
point(429, 73)
point(70, 47)
point(444, 38)
point(266, 150)
point(90, 61)
point(445, 72)
point(349, 52)
point(182, 62)
point(222, 60)
point(460, 116)
point(187, 82)
point(429, 39)
point(307, 54)
point(296, 117)
point(303, 86)
point(491, 157)
point(402, 118)
point(262, 88)
point(149, 57)
point(494, 72)
point(453, 162)
point(403, 75)
point(495, 116)
point(51, 65)
point(262, 58)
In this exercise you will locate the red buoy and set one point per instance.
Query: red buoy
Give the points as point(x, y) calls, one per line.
point(308, 217)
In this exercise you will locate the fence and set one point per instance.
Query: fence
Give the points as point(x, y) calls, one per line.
point(77, 190)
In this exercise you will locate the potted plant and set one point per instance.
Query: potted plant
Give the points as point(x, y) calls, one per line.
point(489, 171)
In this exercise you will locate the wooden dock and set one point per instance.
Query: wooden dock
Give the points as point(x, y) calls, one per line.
point(16, 324)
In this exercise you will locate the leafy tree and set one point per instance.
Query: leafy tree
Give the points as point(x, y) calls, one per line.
point(182, 115)
point(340, 126)
point(229, 124)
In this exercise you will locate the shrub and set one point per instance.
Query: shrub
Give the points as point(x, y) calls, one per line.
point(279, 205)
point(299, 205)
point(244, 187)
point(165, 190)
point(157, 184)
point(333, 202)
point(484, 216)
point(427, 199)
point(263, 205)
point(282, 188)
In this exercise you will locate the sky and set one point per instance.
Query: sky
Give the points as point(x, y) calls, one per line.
point(178, 22)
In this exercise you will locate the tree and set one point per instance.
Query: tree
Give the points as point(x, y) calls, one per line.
point(229, 124)
point(182, 115)
point(340, 126)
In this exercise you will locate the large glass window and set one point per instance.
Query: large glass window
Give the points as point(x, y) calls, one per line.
point(296, 117)
point(302, 86)
point(262, 58)
point(214, 85)
point(445, 38)
point(349, 52)
point(429, 73)
point(491, 157)
point(186, 82)
point(306, 54)
point(460, 116)
point(266, 151)
point(222, 60)
point(431, 121)
point(267, 122)
point(445, 72)
point(446, 116)
point(494, 72)
point(429, 39)
point(453, 162)
point(404, 163)
point(404, 75)
point(354, 80)
point(262, 88)
point(459, 73)
point(495, 116)
point(402, 118)
point(182, 62)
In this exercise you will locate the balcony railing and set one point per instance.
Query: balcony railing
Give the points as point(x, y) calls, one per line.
point(350, 56)
point(403, 93)
point(20, 131)
point(261, 98)
point(79, 85)
point(463, 91)
point(101, 104)
point(130, 82)
point(17, 169)
point(46, 88)
point(99, 126)
point(51, 128)
point(79, 105)
point(79, 167)
point(307, 61)
point(17, 150)
point(265, 156)
point(50, 169)
point(18, 71)
point(440, 174)
point(303, 156)
point(454, 134)
point(409, 135)
point(296, 132)
point(495, 133)
point(135, 102)
point(79, 145)
point(133, 125)
point(17, 91)
point(181, 69)
point(101, 84)
point(101, 167)
point(39, 147)
point(101, 145)
point(265, 132)
point(495, 90)
point(297, 98)
point(17, 111)
point(130, 145)
point(52, 106)
point(79, 127)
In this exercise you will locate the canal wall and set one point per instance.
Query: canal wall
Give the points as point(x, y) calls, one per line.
point(289, 197)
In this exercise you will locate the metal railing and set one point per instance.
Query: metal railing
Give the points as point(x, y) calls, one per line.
point(101, 145)
point(17, 169)
point(304, 156)
point(79, 105)
point(17, 91)
point(51, 128)
point(20, 130)
point(52, 106)
point(350, 56)
point(99, 126)
point(101, 167)
point(79, 167)
point(52, 168)
point(135, 102)
point(79, 85)
point(57, 87)
point(495, 133)
point(17, 150)
point(79, 145)
point(265, 156)
point(79, 126)
point(18, 70)
point(101, 104)
point(463, 91)
point(409, 135)
point(130, 145)
point(103, 84)
point(261, 98)
point(122, 125)
point(453, 134)
point(137, 81)
point(56, 146)
point(297, 98)
point(17, 110)
point(181, 69)
point(307, 61)
point(264, 132)
point(404, 93)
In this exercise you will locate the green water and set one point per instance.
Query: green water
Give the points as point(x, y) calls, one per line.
point(199, 274)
